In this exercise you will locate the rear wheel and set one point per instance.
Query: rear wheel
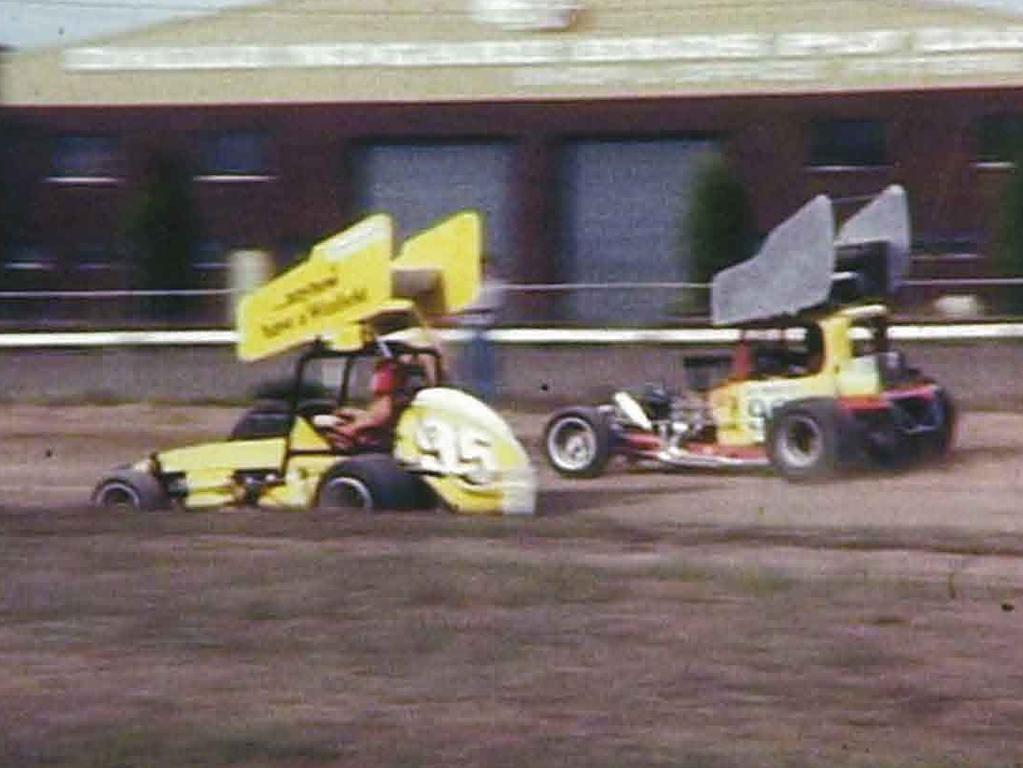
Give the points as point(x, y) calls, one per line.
point(371, 483)
point(130, 490)
point(804, 441)
point(939, 442)
point(577, 442)
point(884, 443)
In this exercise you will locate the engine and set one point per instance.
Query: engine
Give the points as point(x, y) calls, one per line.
point(674, 418)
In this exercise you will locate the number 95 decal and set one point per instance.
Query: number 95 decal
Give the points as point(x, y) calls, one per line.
point(447, 449)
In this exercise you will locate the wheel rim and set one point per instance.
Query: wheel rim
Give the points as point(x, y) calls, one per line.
point(346, 493)
point(118, 496)
point(802, 442)
point(572, 444)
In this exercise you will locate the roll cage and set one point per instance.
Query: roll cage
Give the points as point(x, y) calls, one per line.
point(350, 299)
point(410, 354)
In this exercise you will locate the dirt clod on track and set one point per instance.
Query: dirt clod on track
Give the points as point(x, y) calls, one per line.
point(642, 619)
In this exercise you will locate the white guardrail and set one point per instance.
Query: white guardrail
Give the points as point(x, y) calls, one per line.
point(523, 336)
point(939, 331)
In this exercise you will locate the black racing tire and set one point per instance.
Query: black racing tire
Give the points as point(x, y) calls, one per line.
point(939, 443)
point(810, 440)
point(888, 446)
point(884, 444)
point(130, 489)
point(577, 442)
point(371, 483)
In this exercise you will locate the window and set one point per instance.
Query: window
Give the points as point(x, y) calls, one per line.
point(869, 336)
point(848, 143)
point(86, 158)
point(795, 351)
point(623, 202)
point(999, 138)
point(211, 256)
point(295, 250)
point(94, 257)
point(418, 182)
point(29, 258)
point(235, 155)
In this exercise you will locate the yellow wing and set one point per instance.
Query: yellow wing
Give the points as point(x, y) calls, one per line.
point(351, 278)
point(440, 268)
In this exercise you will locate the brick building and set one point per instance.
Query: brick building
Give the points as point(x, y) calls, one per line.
point(575, 126)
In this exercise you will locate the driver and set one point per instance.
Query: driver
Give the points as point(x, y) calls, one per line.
point(371, 428)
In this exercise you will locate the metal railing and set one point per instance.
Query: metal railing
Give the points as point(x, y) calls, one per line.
point(624, 305)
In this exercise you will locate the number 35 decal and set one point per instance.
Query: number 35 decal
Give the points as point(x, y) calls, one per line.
point(447, 449)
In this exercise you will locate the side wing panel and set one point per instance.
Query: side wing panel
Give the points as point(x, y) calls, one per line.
point(885, 219)
point(440, 268)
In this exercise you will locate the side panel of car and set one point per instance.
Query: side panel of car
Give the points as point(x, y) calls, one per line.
point(742, 409)
point(300, 482)
point(248, 470)
point(209, 470)
point(304, 437)
point(859, 377)
point(466, 453)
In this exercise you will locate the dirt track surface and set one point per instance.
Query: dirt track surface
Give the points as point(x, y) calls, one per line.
point(643, 619)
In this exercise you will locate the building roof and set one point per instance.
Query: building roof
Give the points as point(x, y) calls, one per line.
point(299, 51)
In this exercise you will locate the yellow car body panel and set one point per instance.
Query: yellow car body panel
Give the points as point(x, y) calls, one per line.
point(301, 483)
point(741, 408)
point(209, 469)
point(461, 448)
point(466, 453)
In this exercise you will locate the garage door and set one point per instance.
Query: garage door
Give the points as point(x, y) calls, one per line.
point(625, 205)
point(420, 183)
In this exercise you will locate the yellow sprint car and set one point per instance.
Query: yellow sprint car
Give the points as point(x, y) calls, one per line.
point(349, 304)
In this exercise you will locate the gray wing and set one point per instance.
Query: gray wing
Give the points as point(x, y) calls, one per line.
point(885, 219)
point(791, 272)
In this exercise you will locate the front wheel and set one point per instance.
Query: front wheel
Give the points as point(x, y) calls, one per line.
point(577, 442)
point(370, 483)
point(804, 440)
point(131, 490)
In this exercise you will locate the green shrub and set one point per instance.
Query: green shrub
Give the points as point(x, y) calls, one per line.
point(163, 231)
point(1008, 251)
point(719, 227)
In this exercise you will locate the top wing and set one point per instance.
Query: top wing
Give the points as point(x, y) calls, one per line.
point(351, 278)
point(792, 270)
point(804, 263)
